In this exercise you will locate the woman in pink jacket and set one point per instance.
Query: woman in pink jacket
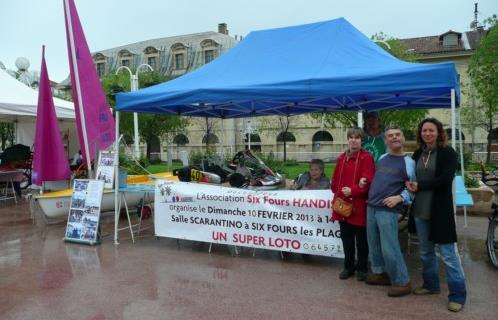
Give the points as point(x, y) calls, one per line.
point(353, 165)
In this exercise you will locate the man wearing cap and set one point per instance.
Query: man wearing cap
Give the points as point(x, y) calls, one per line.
point(374, 140)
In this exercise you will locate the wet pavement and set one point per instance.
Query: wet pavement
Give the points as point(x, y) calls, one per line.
point(42, 277)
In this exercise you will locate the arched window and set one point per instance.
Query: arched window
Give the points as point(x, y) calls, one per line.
point(286, 136)
point(179, 55)
point(209, 48)
point(151, 55)
point(494, 135)
point(100, 64)
point(125, 58)
point(255, 142)
point(322, 136)
point(319, 137)
point(448, 133)
point(154, 148)
point(210, 139)
point(180, 139)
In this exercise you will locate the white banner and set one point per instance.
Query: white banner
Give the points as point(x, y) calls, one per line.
point(295, 221)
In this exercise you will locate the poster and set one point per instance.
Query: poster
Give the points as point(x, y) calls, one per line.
point(105, 168)
point(284, 220)
point(84, 211)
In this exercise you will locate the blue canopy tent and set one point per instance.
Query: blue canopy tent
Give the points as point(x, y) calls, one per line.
point(319, 67)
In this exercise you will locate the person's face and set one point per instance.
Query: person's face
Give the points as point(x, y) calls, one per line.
point(315, 171)
point(394, 139)
point(429, 133)
point(372, 123)
point(354, 143)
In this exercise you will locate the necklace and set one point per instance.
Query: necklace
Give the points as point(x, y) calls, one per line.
point(426, 161)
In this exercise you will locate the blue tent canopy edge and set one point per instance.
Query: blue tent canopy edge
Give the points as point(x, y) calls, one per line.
point(319, 67)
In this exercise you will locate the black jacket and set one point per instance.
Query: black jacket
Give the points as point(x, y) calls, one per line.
point(442, 221)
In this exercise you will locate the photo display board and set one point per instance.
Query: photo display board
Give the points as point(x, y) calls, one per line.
point(105, 168)
point(84, 212)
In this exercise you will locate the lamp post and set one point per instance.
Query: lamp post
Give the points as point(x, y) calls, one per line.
point(248, 130)
point(134, 87)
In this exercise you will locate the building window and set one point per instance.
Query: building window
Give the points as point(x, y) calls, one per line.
point(210, 139)
point(101, 69)
point(286, 136)
point(152, 61)
point(125, 62)
point(179, 61)
point(208, 56)
point(450, 40)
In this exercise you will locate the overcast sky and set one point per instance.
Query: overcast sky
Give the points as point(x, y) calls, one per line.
point(25, 25)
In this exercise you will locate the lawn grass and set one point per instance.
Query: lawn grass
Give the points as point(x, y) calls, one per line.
point(163, 167)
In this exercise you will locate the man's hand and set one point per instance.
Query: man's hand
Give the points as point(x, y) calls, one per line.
point(392, 201)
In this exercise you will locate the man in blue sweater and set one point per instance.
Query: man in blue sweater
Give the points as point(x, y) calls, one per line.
point(385, 199)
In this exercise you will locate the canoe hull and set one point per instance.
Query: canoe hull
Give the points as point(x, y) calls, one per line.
point(58, 206)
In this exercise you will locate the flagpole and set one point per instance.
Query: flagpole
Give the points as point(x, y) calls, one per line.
point(78, 88)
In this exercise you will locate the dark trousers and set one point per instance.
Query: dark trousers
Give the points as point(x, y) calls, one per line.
point(354, 239)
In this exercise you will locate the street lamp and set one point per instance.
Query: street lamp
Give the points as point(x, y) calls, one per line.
point(384, 43)
point(134, 87)
point(248, 131)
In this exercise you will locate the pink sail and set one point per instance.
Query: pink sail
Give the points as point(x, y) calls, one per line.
point(94, 118)
point(50, 161)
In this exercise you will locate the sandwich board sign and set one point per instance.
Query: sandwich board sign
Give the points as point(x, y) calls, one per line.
point(84, 212)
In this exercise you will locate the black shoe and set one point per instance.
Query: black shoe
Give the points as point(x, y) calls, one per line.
point(346, 274)
point(361, 275)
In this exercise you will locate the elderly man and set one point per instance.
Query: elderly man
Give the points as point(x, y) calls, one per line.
point(385, 198)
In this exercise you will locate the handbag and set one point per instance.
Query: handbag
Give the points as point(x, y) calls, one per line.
point(341, 206)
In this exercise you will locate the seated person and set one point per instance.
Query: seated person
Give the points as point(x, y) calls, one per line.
point(77, 160)
point(314, 179)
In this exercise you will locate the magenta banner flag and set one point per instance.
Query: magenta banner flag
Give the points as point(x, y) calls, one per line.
point(50, 162)
point(94, 119)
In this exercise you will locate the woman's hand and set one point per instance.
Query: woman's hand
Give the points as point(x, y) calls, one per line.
point(412, 186)
point(346, 191)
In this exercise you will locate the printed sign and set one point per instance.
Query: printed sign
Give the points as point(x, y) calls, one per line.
point(105, 168)
point(84, 211)
point(296, 221)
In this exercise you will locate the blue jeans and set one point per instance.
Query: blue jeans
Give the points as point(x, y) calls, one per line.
point(383, 244)
point(451, 259)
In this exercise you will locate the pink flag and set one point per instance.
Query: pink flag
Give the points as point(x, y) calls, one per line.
point(50, 161)
point(93, 114)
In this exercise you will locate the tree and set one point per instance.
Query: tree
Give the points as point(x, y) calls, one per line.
point(406, 119)
point(284, 124)
point(150, 126)
point(483, 72)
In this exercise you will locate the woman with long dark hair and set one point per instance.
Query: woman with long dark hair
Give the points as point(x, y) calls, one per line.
point(433, 212)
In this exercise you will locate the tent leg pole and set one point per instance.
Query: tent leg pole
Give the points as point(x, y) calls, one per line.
point(116, 180)
point(360, 119)
point(462, 166)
